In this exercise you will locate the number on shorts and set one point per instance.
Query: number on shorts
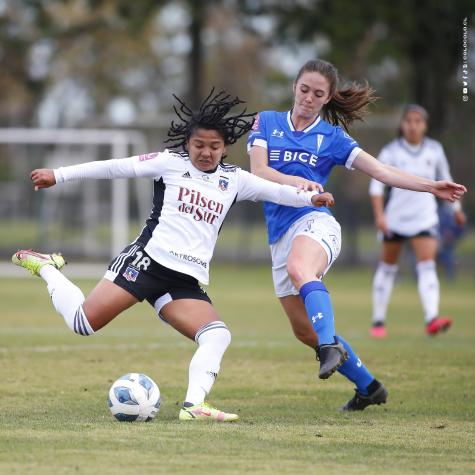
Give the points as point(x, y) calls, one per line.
point(140, 262)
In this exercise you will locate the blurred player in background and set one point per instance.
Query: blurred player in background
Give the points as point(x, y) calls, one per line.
point(193, 191)
point(411, 216)
point(300, 147)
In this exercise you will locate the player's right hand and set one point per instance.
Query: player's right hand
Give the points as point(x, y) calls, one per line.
point(42, 178)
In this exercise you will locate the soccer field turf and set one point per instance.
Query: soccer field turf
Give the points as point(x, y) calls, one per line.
point(54, 417)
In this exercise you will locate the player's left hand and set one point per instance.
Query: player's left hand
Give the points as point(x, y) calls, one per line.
point(303, 184)
point(323, 199)
point(447, 190)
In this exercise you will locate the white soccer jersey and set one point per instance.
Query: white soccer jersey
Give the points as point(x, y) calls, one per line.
point(189, 205)
point(410, 212)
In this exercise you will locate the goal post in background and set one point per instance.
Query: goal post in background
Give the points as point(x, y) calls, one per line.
point(71, 144)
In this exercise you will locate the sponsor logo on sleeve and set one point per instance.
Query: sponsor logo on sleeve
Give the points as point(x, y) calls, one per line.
point(255, 125)
point(148, 156)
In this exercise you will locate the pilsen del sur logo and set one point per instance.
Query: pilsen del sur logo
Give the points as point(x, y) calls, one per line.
point(199, 206)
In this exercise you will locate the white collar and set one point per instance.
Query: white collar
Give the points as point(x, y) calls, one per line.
point(307, 129)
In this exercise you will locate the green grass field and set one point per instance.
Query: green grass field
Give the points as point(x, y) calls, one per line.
point(54, 418)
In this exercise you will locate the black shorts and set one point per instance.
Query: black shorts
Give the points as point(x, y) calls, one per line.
point(137, 273)
point(395, 237)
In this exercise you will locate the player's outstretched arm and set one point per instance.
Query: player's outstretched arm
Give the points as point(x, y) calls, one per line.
point(254, 188)
point(150, 165)
point(444, 189)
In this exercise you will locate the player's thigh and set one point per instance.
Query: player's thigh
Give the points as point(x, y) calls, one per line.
point(307, 260)
point(297, 315)
point(188, 315)
point(424, 247)
point(390, 251)
point(105, 302)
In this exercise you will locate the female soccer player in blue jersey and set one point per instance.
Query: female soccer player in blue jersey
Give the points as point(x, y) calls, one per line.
point(300, 147)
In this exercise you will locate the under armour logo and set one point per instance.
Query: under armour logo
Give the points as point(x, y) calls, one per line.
point(316, 317)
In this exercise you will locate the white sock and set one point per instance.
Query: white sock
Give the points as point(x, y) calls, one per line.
point(428, 286)
point(67, 300)
point(213, 339)
point(383, 283)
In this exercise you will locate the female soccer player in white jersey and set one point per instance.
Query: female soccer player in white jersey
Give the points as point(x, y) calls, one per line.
point(300, 147)
point(410, 216)
point(193, 192)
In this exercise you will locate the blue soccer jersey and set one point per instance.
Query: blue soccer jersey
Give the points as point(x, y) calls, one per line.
point(310, 153)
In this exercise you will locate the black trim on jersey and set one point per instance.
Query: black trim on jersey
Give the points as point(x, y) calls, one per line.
point(232, 204)
point(180, 154)
point(152, 222)
point(228, 168)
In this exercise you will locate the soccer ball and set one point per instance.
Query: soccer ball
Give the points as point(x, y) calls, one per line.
point(134, 397)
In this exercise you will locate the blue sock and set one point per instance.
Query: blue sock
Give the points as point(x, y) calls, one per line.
point(354, 369)
point(319, 310)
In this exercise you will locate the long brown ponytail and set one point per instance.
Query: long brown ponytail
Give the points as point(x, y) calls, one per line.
point(348, 103)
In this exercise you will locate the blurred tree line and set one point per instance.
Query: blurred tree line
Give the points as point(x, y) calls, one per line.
point(95, 63)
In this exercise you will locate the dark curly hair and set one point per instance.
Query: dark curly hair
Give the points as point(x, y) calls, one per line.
point(212, 115)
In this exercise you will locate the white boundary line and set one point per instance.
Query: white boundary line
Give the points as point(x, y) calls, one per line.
point(133, 346)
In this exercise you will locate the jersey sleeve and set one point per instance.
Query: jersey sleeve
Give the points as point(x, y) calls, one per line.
point(442, 172)
point(258, 134)
point(345, 148)
point(150, 165)
point(254, 188)
point(376, 188)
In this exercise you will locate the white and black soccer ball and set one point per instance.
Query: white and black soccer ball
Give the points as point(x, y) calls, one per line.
point(134, 397)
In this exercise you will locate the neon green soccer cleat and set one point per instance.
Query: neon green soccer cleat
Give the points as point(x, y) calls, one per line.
point(204, 412)
point(34, 261)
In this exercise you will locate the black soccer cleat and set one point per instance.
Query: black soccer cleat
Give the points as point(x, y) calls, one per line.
point(377, 394)
point(331, 357)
